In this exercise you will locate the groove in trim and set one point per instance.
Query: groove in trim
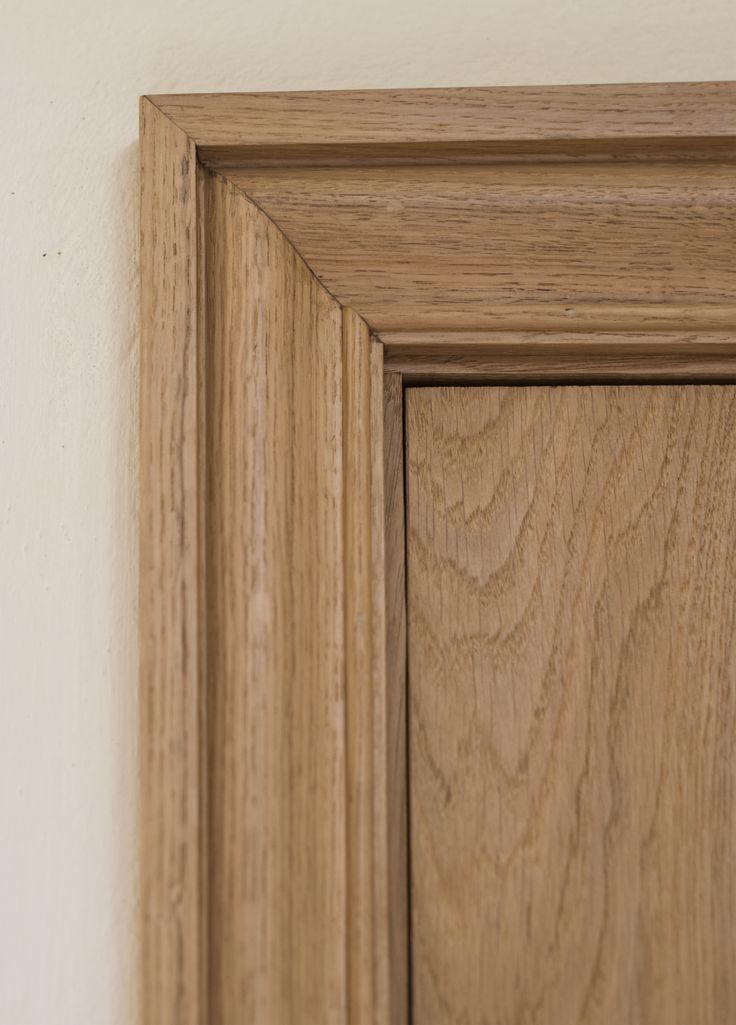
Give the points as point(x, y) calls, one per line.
point(554, 114)
point(320, 155)
point(545, 355)
point(611, 318)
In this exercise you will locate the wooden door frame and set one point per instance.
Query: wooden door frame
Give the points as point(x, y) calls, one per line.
point(281, 319)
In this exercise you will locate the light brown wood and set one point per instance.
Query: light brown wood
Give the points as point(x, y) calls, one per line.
point(392, 452)
point(172, 612)
point(389, 811)
point(375, 688)
point(542, 355)
point(249, 617)
point(361, 684)
point(267, 882)
point(439, 246)
point(592, 224)
point(278, 888)
point(442, 123)
point(562, 319)
point(572, 615)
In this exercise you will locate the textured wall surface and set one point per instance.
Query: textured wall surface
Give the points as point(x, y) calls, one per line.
point(71, 73)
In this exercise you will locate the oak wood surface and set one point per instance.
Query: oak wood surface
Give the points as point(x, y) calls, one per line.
point(251, 689)
point(572, 615)
point(265, 792)
point(448, 247)
point(377, 942)
point(278, 885)
point(365, 674)
point(422, 356)
point(171, 607)
point(392, 453)
point(252, 123)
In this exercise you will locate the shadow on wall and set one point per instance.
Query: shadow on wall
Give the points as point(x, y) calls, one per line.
point(124, 268)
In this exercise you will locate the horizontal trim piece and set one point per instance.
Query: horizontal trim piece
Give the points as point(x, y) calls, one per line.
point(530, 356)
point(678, 110)
point(543, 151)
point(581, 318)
point(419, 247)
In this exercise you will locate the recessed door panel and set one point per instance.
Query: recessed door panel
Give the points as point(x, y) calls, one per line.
point(571, 566)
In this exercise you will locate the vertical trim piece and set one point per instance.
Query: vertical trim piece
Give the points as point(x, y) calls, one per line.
point(275, 603)
point(381, 798)
point(269, 889)
point(394, 747)
point(359, 667)
point(171, 620)
point(376, 797)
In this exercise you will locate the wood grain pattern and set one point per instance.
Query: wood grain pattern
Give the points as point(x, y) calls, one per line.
point(271, 796)
point(172, 621)
point(543, 355)
point(278, 887)
point(259, 126)
point(448, 247)
point(562, 319)
point(572, 614)
point(392, 453)
point(265, 797)
point(375, 687)
point(360, 679)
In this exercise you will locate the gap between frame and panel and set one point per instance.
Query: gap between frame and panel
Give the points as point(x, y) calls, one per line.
point(397, 716)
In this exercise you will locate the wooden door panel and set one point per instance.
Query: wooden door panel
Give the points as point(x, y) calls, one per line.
point(572, 681)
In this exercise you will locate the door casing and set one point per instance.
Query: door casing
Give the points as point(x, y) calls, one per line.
point(303, 256)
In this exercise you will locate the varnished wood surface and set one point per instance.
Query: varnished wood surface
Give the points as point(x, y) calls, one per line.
point(428, 248)
point(421, 356)
point(392, 451)
point(572, 615)
point(559, 320)
point(254, 124)
point(276, 831)
point(377, 929)
point(265, 770)
point(245, 377)
point(172, 616)
point(365, 672)
point(276, 870)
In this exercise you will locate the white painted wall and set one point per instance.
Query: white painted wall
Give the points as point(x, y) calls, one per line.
point(70, 76)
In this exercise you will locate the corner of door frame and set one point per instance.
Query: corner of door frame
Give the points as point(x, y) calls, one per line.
point(204, 288)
